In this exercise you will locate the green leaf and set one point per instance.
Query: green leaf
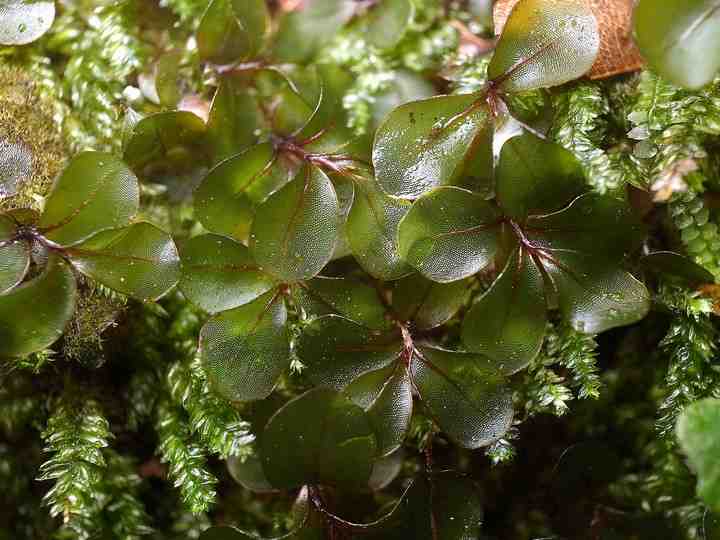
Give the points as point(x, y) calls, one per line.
point(16, 167)
point(698, 431)
point(24, 21)
point(680, 39)
point(426, 303)
point(233, 119)
point(219, 274)
point(386, 470)
point(34, 314)
point(248, 472)
point(232, 30)
point(14, 255)
point(302, 32)
point(372, 231)
point(449, 234)
point(508, 322)
point(426, 144)
point(335, 350)
point(167, 141)
point(336, 448)
point(465, 393)
point(167, 75)
point(535, 176)
point(386, 396)
point(295, 231)
point(386, 23)
point(347, 297)
point(96, 191)
point(545, 43)
point(139, 260)
point(406, 86)
point(226, 200)
point(244, 351)
point(669, 265)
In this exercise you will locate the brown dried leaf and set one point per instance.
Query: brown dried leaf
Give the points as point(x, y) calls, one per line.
point(618, 52)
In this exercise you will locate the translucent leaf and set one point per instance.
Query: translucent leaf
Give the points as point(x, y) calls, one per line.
point(536, 176)
point(698, 431)
point(219, 274)
point(426, 144)
point(232, 30)
point(508, 322)
point(347, 297)
point(386, 396)
point(16, 167)
point(24, 21)
point(139, 260)
point(234, 117)
point(405, 87)
point(34, 314)
point(426, 303)
point(96, 191)
point(248, 472)
point(465, 393)
point(225, 201)
point(386, 470)
point(386, 23)
point(167, 74)
point(680, 39)
point(449, 234)
point(545, 43)
point(244, 351)
point(372, 231)
point(303, 31)
point(673, 265)
point(345, 190)
point(167, 141)
point(336, 448)
point(335, 350)
point(14, 255)
point(295, 231)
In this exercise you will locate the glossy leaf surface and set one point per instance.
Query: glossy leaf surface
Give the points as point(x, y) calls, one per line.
point(387, 21)
point(16, 167)
point(233, 119)
point(34, 314)
point(545, 43)
point(245, 350)
point(232, 30)
point(449, 234)
point(337, 448)
point(426, 303)
point(96, 191)
point(674, 265)
point(14, 255)
point(24, 21)
point(219, 274)
point(249, 473)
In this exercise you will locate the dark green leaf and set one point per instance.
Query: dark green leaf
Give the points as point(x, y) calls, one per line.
point(426, 144)
point(24, 21)
point(336, 350)
point(232, 30)
point(14, 255)
point(296, 230)
point(698, 431)
point(680, 39)
point(336, 448)
point(545, 43)
point(233, 119)
point(449, 234)
point(139, 260)
point(96, 191)
point(34, 314)
point(219, 274)
point(386, 470)
point(167, 73)
point(248, 472)
point(372, 231)
point(465, 393)
point(427, 303)
point(386, 23)
point(508, 322)
point(244, 351)
point(386, 396)
point(672, 265)
point(535, 176)
point(16, 167)
point(350, 298)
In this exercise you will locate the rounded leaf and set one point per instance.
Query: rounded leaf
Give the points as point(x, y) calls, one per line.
point(219, 274)
point(16, 167)
point(34, 315)
point(295, 231)
point(465, 394)
point(449, 234)
point(426, 303)
point(140, 260)
point(232, 30)
point(14, 255)
point(96, 191)
point(24, 21)
point(336, 448)
point(244, 351)
point(248, 472)
point(233, 119)
point(545, 43)
point(426, 144)
point(669, 264)
point(386, 23)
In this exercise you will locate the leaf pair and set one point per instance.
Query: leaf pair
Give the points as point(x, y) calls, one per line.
point(86, 224)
